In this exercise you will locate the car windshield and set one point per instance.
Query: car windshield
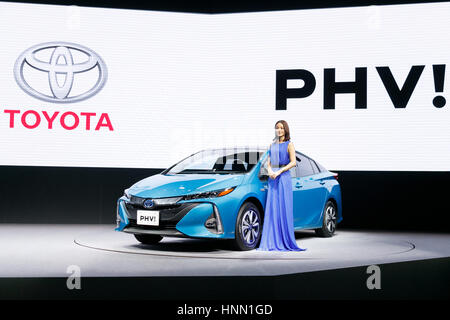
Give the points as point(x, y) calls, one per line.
point(219, 161)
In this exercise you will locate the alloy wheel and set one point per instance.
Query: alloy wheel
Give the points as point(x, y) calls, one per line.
point(330, 219)
point(250, 227)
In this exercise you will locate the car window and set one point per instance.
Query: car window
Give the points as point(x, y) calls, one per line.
point(314, 166)
point(294, 170)
point(216, 161)
point(263, 170)
point(322, 168)
point(304, 166)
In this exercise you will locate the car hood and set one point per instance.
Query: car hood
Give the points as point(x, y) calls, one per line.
point(160, 186)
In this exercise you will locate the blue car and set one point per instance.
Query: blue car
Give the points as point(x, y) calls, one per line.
point(221, 194)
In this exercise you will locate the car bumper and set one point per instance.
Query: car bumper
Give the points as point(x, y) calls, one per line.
point(186, 219)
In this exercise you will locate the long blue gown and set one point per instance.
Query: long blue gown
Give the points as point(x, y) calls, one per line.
point(278, 228)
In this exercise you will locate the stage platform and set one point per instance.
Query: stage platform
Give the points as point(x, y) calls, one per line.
point(34, 250)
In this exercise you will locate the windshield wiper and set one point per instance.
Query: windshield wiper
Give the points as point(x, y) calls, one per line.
point(228, 172)
point(188, 171)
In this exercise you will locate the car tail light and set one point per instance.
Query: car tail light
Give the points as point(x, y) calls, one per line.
point(335, 175)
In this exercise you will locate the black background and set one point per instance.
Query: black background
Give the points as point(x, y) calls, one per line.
point(371, 199)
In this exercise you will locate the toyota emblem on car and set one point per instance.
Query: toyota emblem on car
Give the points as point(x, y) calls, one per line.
point(148, 203)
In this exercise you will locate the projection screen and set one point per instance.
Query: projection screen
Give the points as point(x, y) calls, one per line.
point(362, 88)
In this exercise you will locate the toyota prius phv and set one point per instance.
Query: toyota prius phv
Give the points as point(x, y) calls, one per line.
point(221, 194)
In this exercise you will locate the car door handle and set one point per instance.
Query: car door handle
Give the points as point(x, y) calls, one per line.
point(298, 185)
point(322, 182)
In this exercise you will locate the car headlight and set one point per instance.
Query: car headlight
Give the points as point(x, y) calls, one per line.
point(209, 194)
point(126, 194)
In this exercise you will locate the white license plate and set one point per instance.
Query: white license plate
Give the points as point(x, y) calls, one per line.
point(148, 218)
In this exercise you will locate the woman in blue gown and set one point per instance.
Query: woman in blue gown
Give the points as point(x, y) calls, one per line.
point(278, 228)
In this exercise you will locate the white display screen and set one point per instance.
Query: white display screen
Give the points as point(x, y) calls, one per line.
point(95, 87)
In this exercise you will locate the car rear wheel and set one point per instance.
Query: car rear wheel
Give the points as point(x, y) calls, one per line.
point(248, 227)
point(148, 238)
point(328, 221)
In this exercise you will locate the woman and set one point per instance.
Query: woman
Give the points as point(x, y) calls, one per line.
point(278, 228)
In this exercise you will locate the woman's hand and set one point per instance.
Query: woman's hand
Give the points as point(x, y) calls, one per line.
point(274, 175)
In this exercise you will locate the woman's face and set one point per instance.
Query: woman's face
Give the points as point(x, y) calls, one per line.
point(279, 129)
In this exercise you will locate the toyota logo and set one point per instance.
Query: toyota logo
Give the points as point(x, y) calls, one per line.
point(53, 67)
point(148, 203)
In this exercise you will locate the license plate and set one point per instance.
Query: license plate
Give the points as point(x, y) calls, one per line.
point(147, 217)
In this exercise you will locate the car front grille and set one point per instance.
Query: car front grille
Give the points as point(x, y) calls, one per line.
point(168, 216)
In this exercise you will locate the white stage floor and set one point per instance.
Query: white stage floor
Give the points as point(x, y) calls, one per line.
point(99, 251)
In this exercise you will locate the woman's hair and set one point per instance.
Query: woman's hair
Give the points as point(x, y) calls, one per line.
point(287, 135)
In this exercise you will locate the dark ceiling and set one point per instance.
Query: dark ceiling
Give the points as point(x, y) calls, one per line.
point(224, 6)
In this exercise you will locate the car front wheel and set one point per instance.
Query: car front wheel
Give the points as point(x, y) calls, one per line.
point(248, 227)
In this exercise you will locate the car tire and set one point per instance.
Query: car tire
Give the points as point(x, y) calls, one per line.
point(148, 238)
point(329, 217)
point(248, 227)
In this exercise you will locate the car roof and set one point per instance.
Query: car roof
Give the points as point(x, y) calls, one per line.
point(249, 149)
point(240, 148)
